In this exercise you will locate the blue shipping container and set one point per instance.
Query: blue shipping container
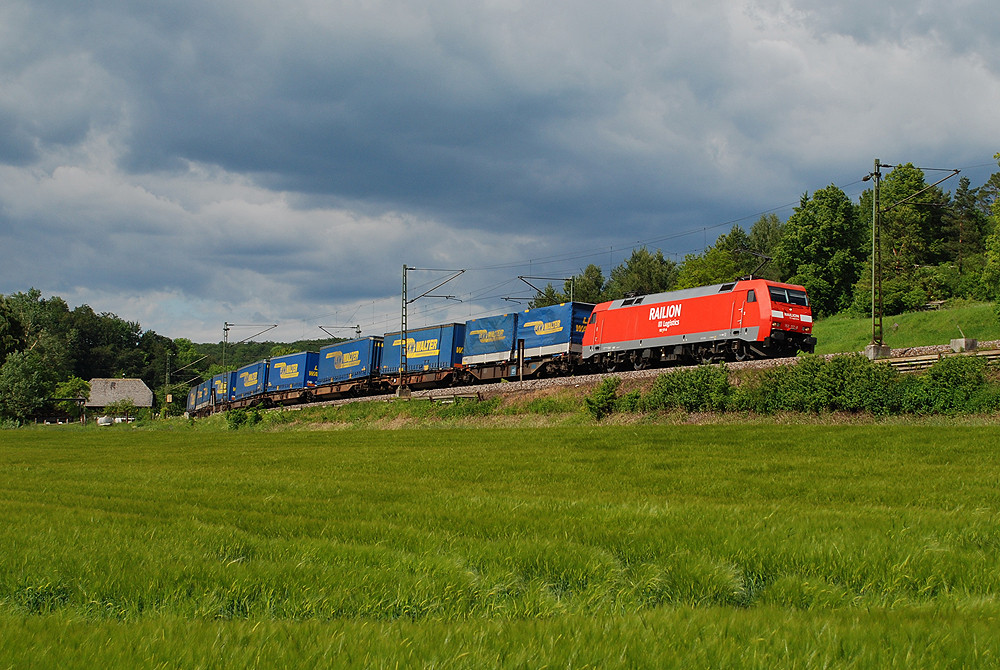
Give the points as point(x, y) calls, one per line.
point(293, 371)
point(203, 394)
point(432, 348)
point(491, 338)
point(553, 329)
point(192, 400)
point(355, 359)
point(250, 380)
point(222, 387)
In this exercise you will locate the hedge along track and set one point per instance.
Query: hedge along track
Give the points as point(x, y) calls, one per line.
point(911, 359)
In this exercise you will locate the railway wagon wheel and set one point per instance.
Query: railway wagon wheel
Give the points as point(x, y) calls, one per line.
point(610, 363)
point(640, 359)
point(741, 352)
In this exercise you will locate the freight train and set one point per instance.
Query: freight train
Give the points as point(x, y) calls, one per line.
point(736, 321)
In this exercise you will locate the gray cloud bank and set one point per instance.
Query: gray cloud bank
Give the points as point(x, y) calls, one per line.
point(187, 163)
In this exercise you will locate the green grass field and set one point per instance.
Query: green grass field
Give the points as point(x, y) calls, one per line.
point(611, 546)
point(840, 333)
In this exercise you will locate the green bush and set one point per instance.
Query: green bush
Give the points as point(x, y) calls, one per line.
point(237, 418)
point(852, 383)
point(601, 402)
point(705, 388)
point(950, 386)
point(848, 383)
point(798, 387)
point(986, 400)
point(630, 402)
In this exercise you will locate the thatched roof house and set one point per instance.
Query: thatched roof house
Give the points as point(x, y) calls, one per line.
point(104, 392)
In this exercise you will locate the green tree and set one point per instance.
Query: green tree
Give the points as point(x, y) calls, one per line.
point(26, 384)
point(964, 230)
point(765, 234)
point(964, 225)
point(932, 247)
point(74, 387)
point(37, 314)
point(589, 285)
point(547, 296)
point(104, 345)
point(124, 408)
point(911, 233)
point(822, 248)
point(988, 193)
point(157, 352)
point(642, 273)
point(714, 266)
point(731, 257)
point(11, 330)
point(990, 278)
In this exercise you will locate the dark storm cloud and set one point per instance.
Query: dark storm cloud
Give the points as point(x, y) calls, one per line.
point(286, 158)
point(424, 119)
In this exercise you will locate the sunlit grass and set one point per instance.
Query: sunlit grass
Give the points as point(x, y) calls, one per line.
point(618, 545)
point(841, 333)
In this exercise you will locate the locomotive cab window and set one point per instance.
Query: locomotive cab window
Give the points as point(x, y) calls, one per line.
point(788, 296)
point(751, 296)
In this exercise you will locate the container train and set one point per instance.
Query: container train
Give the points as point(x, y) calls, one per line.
point(736, 321)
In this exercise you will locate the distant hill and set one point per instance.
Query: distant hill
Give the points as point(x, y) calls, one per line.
point(837, 334)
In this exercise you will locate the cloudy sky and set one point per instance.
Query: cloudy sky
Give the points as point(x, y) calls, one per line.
point(187, 163)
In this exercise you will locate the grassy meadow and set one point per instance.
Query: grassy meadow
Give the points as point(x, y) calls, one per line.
point(842, 333)
point(571, 546)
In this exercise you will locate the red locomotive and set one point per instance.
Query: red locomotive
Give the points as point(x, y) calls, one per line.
point(749, 318)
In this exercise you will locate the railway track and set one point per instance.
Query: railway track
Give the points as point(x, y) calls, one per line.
point(905, 360)
point(922, 362)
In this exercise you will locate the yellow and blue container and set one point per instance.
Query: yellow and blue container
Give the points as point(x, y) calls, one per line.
point(344, 361)
point(250, 380)
point(427, 349)
point(293, 371)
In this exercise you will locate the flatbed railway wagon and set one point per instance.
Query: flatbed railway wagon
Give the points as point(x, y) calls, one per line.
point(291, 378)
point(542, 341)
point(249, 383)
point(433, 356)
point(350, 368)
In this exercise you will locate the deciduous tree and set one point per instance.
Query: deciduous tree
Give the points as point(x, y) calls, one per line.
point(642, 273)
point(822, 248)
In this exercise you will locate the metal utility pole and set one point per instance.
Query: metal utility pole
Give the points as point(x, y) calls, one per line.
point(167, 396)
point(225, 334)
point(225, 341)
point(877, 259)
point(877, 347)
point(402, 390)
